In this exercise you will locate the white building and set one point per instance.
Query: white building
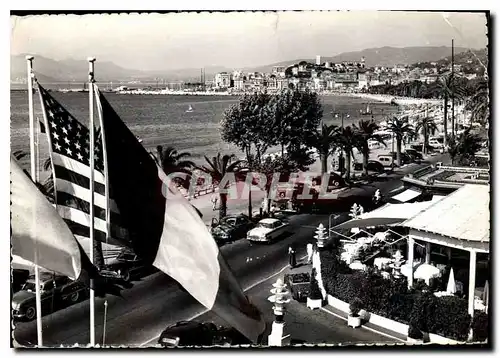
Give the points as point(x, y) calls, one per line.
point(222, 80)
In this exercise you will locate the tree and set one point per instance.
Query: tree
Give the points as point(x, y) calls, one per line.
point(366, 131)
point(295, 117)
point(171, 161)
point(325, 144)
point(426, 125)
point(464, 147)
point(479, 103)
point(348, 140)
point(247, 125)
point(399, 126)
point(218, 168)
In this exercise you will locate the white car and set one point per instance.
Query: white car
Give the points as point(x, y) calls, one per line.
point(267, 230)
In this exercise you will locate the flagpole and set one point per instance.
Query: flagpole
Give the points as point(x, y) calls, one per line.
point(91, 61)
point(33, 155)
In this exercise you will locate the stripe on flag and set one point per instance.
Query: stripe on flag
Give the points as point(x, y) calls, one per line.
point(167, 231)
point(69, 145)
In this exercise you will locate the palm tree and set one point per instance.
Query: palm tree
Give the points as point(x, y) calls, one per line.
point(479, 103)
point(427, 126)
point(366, 131)
point(399, 126)
point(444, 85)
point(172, 161)
point(453, 149)
point(325, 143)
point(348, 139)
point(468, 145)
point(217, 168)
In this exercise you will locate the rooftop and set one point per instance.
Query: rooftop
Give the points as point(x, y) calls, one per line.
point(448, 176)
point(463, 215)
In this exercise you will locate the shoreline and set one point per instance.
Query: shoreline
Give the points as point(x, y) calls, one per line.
point(402, 101)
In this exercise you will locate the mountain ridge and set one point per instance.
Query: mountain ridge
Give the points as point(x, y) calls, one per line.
point(73, 70)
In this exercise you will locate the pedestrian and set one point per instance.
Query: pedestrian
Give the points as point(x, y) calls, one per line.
point(309, 252)
point(291, 256)
point(273, 210)
point(214, 200)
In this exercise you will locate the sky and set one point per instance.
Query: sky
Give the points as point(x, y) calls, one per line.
point(235, 40)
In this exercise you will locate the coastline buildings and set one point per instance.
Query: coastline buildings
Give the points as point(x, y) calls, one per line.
point(347, 76)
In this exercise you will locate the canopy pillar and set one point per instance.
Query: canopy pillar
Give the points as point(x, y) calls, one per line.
point(427, 252)
point(472, 281)
point(411, 244)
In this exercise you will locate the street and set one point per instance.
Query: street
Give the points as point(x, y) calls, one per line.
point(157, 301)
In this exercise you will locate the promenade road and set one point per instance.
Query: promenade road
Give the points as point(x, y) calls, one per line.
point(157, 301)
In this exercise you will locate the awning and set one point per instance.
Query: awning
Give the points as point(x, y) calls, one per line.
point(389, 214)
point(407, 195)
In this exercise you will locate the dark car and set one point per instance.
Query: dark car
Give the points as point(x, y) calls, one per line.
point(231, 228)
point(19, 277)
point(56, 291)
point(127, 267)
point(372, 165)
point(299, 285)
point(192, 333)
point(405, 157)
point(415, 155)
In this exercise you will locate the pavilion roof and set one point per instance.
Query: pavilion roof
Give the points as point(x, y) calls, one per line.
point(463, 214)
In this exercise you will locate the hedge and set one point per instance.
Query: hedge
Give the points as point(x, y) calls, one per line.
point(446, 316)
point(480, 326)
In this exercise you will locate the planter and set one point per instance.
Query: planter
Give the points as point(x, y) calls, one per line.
point(354, 321)
point(314, 303)
point(414, 340)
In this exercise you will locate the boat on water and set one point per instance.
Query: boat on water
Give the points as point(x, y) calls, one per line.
point(190, 109)
point(367, 112)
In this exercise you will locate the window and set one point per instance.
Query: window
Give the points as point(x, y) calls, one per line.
point(231, 221)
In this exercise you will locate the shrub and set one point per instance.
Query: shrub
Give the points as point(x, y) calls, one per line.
point(355, 306)
point(450, 318)
point(414, 332)
point(480, 326)
point(314, 292)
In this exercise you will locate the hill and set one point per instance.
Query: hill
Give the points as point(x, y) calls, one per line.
point(381, 56)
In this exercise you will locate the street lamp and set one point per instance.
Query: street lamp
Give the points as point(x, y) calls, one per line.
point(280, 297)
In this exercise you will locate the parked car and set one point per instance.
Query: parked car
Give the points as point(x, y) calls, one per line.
point(387, 161)
point(299, 284)
point(127, 267)
point(193, 333)
point(373, 166)
point(415, 155)
point(435, 144)
point(56, 292)
point(19, 277)
point(267, 230)
point(231, 228)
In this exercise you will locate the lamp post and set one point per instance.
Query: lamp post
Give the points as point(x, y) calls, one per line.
point(321, 236)
point(280, 297)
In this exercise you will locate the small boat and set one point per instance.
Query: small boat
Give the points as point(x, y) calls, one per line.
point(367, 112)
point(190, 109)
point(138, 139)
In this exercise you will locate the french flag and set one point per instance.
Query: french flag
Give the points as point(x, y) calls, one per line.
point(167, 231)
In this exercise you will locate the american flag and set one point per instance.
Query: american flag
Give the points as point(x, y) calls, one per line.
point(69, 144)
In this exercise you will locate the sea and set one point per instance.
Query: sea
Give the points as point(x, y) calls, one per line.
point(164, 119)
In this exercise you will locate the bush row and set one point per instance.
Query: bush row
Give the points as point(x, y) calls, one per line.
point(445, 316)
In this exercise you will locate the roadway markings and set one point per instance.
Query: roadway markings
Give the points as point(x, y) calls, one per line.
point(246, 289)
point(368, 328)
